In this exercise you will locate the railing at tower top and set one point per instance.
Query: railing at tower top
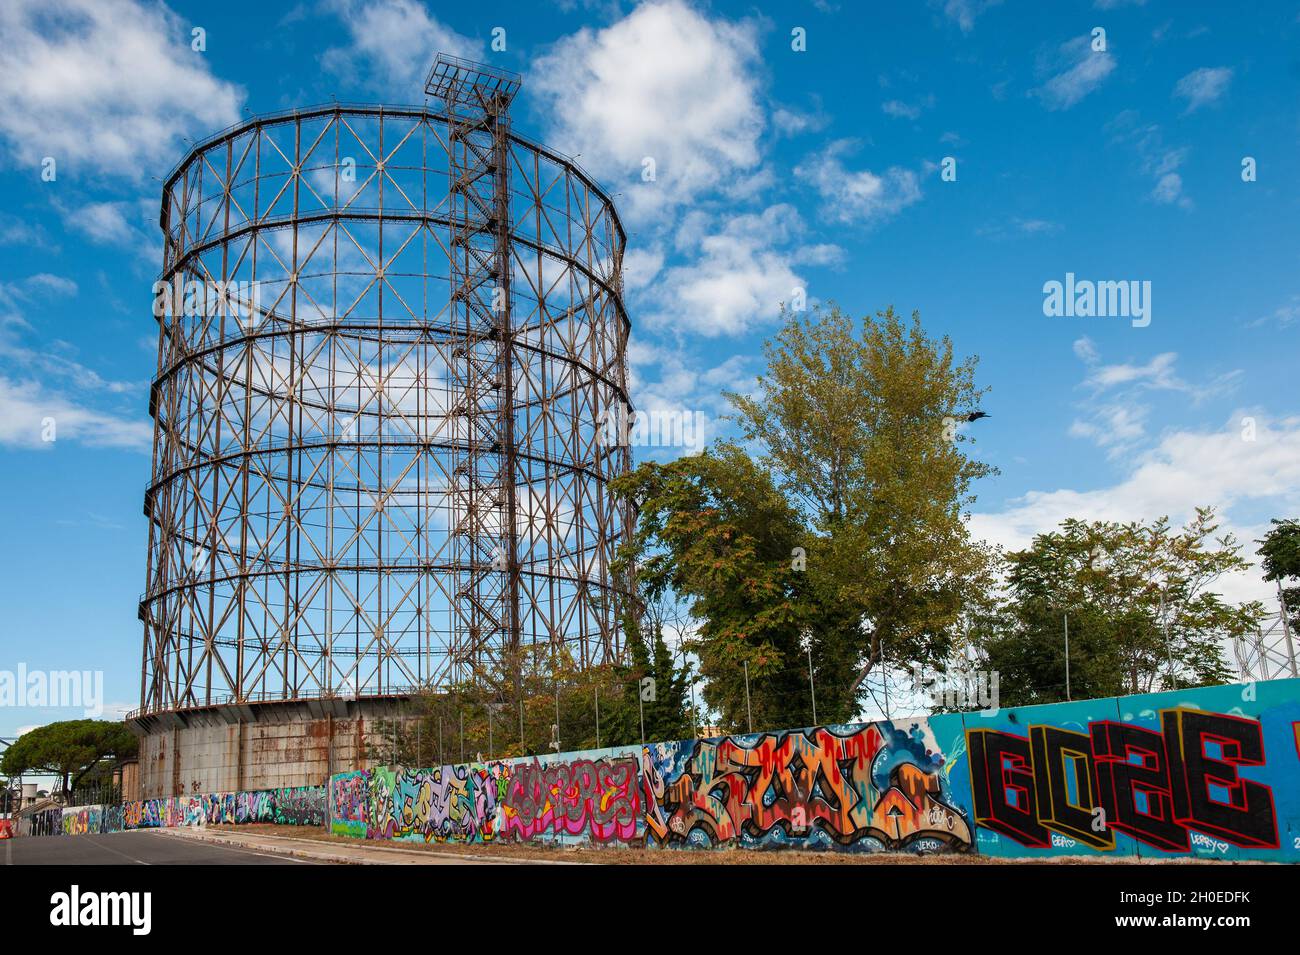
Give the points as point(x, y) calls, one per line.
point(460, 83)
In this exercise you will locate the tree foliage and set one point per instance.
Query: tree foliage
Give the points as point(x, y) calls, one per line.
point(844, 534)
point(70, 750)
point(858, 422)
point(539, 700)
point(1142, 611)
point(1280, 556)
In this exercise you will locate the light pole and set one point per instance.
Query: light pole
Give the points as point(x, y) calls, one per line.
point(749, 712)
point(812, 689)
point(1067, 656)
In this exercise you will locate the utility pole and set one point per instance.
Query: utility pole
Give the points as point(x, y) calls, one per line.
point(812, 689)
point(749, 712)
point(1067, 656)
point(557, 716)
point(1169, 647)
point(695, 721)
point(640, 705)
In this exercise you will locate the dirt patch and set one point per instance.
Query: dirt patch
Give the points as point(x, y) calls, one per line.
point(617, 856)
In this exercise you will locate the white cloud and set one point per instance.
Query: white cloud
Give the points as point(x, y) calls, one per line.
point(111, 84)
point(26, 405)
point(1185, 470)
point(964, 12)
point(860, 196)
point(1285, 315)
point(56, 284)
point(114, 224)
point(738, 275)
point(792, 122)
point(43, 381)
point(393, 43)
point(640, 266)
point(103, 222)
point(1078, 70)
point(667, 380)
point(1158, 374)
point(1156, 159)
point(1114, 426)
point(1204, 86)
point(899, 109)
point(1117, 407)
point(1018, 226)
point(664, 82)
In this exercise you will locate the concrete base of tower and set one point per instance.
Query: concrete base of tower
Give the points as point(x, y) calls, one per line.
point(238, 747)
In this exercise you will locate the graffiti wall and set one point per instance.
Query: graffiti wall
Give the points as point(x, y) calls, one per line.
point(79, 820)
point(349, 802)
point(1205, 773)
point(572, 798)
point(1211, 772)
point(863, 788)
point(297, 806)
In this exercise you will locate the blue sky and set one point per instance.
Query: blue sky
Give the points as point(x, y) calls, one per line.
point(775, 168)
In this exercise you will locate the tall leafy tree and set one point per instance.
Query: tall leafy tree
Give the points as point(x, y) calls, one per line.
point(70, 750)
point(661, 705)
point(1141, 603)
point(860, 423)
point(714, 531)
point(1280, 556)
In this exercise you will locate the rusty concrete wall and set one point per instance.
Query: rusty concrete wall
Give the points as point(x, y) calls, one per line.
point(222, 750)
point(130, 780)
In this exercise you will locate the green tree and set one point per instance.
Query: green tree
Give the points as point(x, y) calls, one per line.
point(1142, 610)
point(70, 750)
point(516, 705)
point(664, 704)
point(715, 532)
point(1280, 556)
point(860, 425)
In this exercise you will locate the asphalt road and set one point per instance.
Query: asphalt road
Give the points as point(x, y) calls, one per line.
point(131, 848)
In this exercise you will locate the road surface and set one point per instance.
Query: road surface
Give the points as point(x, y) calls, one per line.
point(132, 848)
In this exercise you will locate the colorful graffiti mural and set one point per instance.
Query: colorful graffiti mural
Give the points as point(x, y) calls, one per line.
point(597, 798)
point(1209, 773)
point(1206, 772)
point(866, 788)
point(579, 797)
point(349, 801)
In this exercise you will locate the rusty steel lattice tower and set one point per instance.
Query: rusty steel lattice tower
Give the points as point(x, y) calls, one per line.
point(378, 458)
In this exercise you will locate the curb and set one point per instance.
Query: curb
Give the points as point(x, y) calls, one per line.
point(326, 856)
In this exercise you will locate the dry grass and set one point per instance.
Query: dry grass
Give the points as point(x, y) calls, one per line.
point(617, 856)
